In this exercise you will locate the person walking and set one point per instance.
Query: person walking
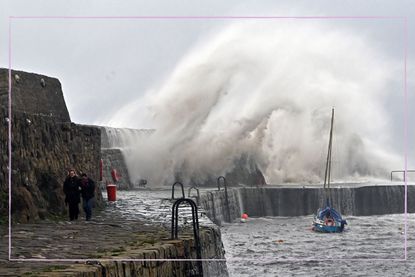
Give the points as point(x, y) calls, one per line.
point(88, 192)
point(72, 194)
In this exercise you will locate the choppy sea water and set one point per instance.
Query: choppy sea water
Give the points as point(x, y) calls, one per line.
point(286, 246)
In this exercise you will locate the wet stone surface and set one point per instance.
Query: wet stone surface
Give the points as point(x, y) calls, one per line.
point(153, 208)
point(138, 220)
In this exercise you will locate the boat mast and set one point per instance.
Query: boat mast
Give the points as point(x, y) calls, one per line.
point(328, 163)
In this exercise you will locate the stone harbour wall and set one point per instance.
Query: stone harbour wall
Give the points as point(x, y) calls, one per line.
point(181, 249)
point(44, 145)
point(34, 94)
point(214, 203)
point(42, 151)
point(114, 141)
point(297, 201)
point(113, 159)
point(359, 201)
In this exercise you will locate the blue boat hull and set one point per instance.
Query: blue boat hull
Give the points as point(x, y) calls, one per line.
point(328, 220)
point(327, 229)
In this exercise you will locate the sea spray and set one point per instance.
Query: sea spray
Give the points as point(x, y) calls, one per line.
point(265, 90)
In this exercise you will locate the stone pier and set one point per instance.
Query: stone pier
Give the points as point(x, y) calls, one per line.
point(114, 243)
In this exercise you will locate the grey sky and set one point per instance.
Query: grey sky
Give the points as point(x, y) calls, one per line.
point(105, 64)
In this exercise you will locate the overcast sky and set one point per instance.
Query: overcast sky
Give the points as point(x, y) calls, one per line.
point(104, 64)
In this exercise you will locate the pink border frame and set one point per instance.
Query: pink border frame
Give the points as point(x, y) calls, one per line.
point(405, 27)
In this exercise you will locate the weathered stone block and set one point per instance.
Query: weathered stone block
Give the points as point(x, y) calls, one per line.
point(30, 96)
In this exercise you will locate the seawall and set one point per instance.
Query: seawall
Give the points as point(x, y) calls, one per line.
point(42, 151)
point(299, 201)
point(113, 159)
point(44, 145)
point(181, 249)
point(216, 207)
point(114, 141)
point(359, 201)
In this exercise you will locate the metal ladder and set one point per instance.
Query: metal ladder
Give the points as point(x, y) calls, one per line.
point(172, 190)
point(198, 194)
point(195, 222)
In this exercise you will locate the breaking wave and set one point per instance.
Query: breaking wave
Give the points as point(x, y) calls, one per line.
point(266, 91)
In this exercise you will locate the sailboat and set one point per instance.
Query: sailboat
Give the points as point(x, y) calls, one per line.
point(327, 219)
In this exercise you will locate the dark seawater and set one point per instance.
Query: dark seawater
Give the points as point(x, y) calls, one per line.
point(286, 246)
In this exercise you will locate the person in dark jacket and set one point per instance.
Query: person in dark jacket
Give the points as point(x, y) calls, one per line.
point(72, 194)
point(88, 192)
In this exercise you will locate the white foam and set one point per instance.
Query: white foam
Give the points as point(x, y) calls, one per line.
point(266, 91)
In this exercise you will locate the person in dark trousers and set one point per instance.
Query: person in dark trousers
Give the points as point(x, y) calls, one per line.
point(88, 192)
point(72, 194)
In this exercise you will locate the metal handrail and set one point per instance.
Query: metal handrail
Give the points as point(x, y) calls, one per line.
point(402, 171)
point(195, 222)
point(172, 190)
point(213, 206)
point(197, 191)
point(225, 183)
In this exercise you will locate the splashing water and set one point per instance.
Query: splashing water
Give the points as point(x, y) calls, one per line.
point(266, 91)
